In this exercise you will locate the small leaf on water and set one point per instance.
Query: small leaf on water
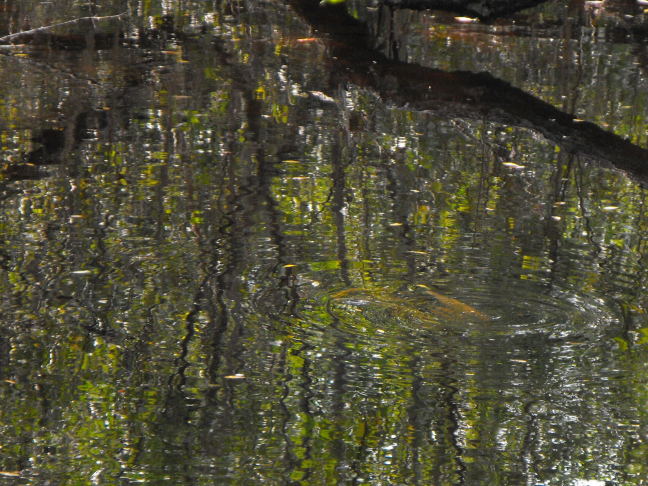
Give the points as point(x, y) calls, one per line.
point(513, 165)
point(322, 97)
point(466, 20)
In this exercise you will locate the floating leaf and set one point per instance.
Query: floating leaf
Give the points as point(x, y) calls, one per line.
point(322, 97)
point(513, 165)
point(466, 20)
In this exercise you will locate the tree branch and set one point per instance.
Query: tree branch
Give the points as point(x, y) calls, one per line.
point(460, 94)
point(39, 30)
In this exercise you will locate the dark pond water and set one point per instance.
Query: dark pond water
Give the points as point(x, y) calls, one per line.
point(240, 245)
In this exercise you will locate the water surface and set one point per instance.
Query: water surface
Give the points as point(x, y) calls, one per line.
point(227, 258)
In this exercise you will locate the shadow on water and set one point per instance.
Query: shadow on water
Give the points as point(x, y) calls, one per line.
point(275, 243)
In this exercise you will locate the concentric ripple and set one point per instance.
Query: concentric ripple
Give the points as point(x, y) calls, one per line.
point(518, 309)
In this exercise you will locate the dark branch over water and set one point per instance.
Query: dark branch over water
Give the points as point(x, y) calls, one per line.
point(461, 94)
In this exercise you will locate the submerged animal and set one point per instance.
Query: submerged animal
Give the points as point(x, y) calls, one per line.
point(455, 306)
point(420, 305)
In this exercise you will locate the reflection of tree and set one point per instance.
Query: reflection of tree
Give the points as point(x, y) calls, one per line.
point(192, 266)
point(463, 95)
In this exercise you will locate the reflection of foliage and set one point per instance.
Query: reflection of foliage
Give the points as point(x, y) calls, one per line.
point(195, 235)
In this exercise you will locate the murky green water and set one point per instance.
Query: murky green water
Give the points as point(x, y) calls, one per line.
point(231, 256)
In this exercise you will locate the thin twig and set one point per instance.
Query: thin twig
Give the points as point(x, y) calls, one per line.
point(45, 28)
